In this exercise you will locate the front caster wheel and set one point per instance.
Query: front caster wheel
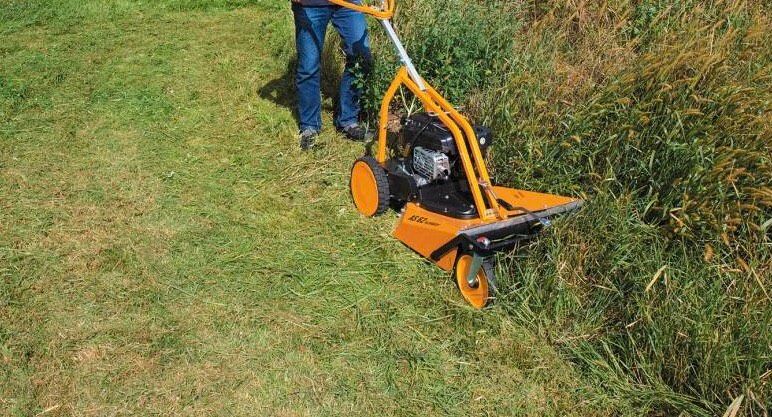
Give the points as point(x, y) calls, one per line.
point(479, 290)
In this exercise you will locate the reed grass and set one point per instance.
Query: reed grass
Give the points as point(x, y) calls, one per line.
point(658, 114)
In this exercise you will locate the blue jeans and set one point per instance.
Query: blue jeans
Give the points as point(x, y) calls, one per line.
point(310, 28)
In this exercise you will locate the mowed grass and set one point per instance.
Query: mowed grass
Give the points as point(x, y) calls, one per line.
point(165, 248)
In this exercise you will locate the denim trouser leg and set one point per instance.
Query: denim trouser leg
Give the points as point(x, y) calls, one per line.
point(310, 28)
point(352, 27)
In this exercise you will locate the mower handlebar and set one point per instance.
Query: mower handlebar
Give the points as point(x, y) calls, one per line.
point(384, 13)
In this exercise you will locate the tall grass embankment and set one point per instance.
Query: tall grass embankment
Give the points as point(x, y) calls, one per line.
point(658, 114)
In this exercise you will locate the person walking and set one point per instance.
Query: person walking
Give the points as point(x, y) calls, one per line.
point(311, 20)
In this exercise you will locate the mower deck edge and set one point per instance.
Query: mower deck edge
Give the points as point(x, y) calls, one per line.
point(523, 218)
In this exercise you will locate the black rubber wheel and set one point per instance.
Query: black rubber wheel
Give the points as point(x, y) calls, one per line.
point(369, 186)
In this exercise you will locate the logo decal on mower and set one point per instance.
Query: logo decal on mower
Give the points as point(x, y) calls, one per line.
point(422, 220)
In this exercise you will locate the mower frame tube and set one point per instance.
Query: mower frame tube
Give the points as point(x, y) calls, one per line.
point(403, 56)
point(385, 13)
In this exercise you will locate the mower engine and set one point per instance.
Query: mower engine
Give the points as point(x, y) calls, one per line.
point(433, 150)
point(429, 170)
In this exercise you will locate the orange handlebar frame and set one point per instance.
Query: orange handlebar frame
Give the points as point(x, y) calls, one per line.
point(466, 142)
point(384, 14)
point(463, 134)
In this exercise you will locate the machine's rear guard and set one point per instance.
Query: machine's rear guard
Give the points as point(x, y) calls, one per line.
point(438, 237)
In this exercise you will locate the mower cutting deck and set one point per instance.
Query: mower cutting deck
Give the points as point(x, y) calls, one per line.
point(451, 213)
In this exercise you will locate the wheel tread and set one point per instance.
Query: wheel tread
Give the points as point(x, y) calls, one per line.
point(381, 182)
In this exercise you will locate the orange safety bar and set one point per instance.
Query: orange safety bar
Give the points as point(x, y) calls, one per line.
point(432, 101)
point(484, 180)
point(385, 13)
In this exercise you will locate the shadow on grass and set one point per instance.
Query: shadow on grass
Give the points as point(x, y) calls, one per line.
point(282, 92)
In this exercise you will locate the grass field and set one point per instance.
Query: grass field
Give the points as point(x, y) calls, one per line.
point(165, 248)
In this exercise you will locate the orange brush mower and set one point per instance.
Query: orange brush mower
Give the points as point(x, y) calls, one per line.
point(451, 213)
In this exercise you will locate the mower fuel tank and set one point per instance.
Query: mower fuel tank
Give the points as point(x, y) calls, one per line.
point(427, 131)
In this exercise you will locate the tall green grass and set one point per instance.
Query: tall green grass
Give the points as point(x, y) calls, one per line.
point(658, 113)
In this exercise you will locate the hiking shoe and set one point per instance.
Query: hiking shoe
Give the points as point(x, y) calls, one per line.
point(308, 139)
point(357, 133)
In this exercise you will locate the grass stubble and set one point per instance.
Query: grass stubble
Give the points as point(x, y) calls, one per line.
point(165, 249)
